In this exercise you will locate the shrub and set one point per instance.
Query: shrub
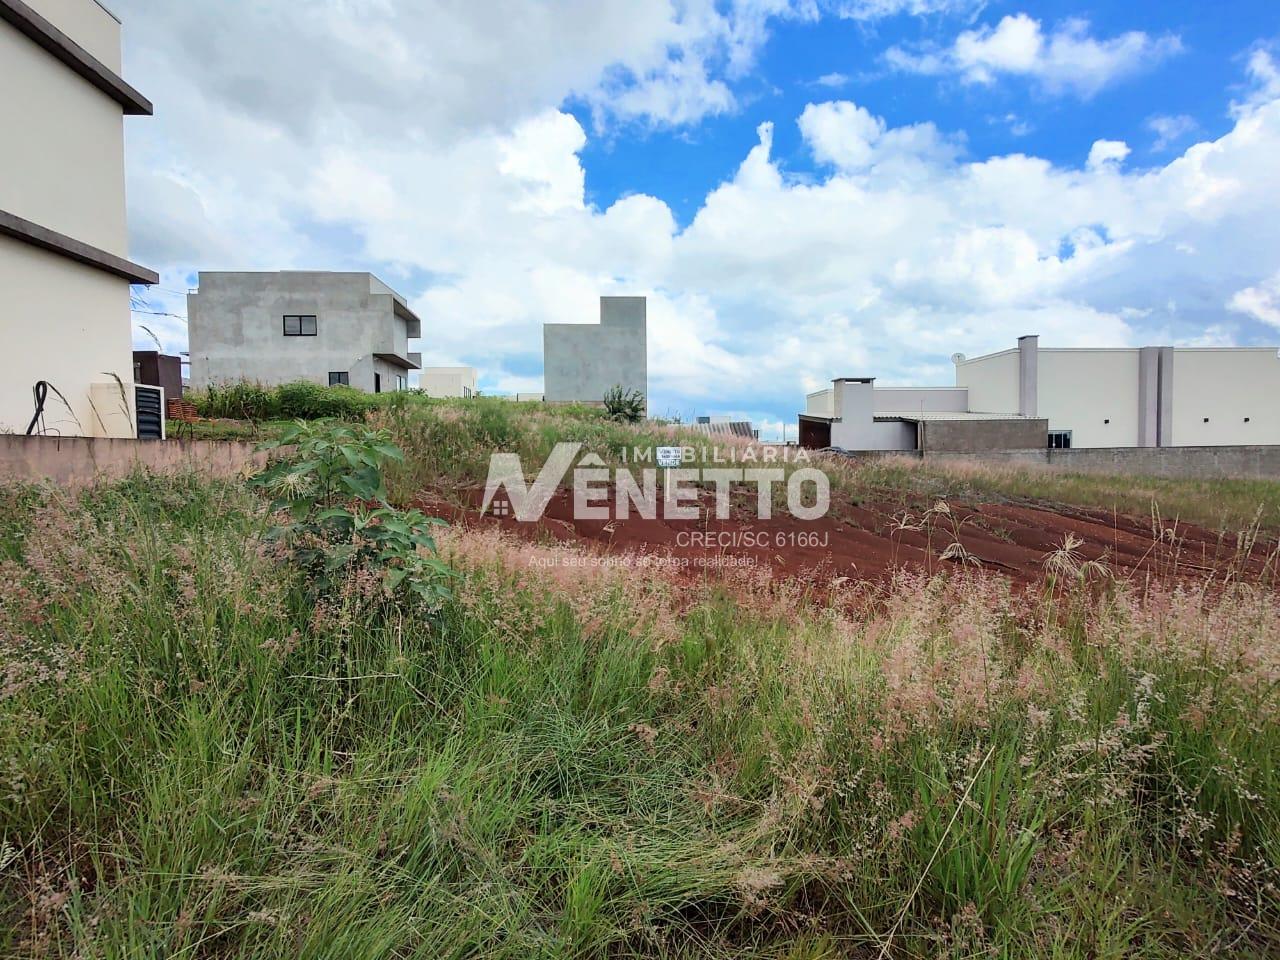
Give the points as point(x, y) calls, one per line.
point(327, 483)
point(301, 400)
point(624, 406)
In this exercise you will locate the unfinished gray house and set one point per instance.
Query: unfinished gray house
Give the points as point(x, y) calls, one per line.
point(274, 328)
point(583, 361)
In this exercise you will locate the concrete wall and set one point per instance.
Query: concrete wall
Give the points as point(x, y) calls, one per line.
point(77, 461)
point(857, 428)
point(1191, 463)
point(584, 361)
point(448, 381)
point(62, 168)
point(921, 399)
point(1226, 386)
point(1082, 389)
point(979, 436)
point(992, 382)
point(821, 403)
point(236, 328)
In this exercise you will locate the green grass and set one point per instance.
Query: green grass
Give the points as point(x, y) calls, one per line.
point(198, 761)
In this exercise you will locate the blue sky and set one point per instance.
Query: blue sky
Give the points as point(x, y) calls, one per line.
point(805, 189)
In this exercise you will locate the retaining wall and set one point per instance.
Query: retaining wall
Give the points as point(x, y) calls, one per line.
point(75, 461)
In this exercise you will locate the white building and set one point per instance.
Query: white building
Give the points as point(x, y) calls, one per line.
point(1028, 397)
point(64, 268)
point(1133, 397)
point(448, 381)
point(274, 328)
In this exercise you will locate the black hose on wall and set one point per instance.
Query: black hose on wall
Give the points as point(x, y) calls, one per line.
point(41, 390)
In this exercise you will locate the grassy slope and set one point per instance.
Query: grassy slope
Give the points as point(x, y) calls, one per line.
point(200, 762)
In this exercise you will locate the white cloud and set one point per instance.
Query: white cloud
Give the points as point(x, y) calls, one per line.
point(900, 251)
point(1262, 302)
point(1066, 60)
point(833, 80)
point(1264, 81)
point(1107, 153)
point(1170, 129)
point(880, 9)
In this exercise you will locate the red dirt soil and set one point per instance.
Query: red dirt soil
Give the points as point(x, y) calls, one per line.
point(868, 541)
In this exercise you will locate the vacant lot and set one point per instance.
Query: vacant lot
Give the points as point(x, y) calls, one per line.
point(220, 740)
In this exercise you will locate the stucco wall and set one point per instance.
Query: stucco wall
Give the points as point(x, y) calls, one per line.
point(86, 22)
point(821, 403)
point(62, 165)
point(68, 324)
point(448, 381)
point(1226, 386)
point(921, 399)
point(1081, 389)
point(992, 382)
point(77, 461)
point(236, 329)
point(583, 361)
point(857, 428)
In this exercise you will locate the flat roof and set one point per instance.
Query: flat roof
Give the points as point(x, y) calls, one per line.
point(949, 415)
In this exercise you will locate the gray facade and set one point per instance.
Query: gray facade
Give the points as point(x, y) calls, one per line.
point(583, 361)
point(361, 328)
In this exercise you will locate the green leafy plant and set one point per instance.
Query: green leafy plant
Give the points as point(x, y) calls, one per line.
point(624, 406)
point(330, 482)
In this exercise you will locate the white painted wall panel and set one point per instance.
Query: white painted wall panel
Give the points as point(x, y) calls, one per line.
point(992, 382)
point(1079, 390)
point(1225, 386)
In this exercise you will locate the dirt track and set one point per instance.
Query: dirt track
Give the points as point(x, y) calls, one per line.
point(868, 540)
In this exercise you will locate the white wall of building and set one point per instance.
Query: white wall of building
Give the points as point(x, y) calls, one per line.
point(857, 428)
point(820, 403)
point(921, 399)
point(448, 381)
point(62, 164)
point(1080, 390)
point(62, 169)
point(992, 382)
point(68, 324)
point(1225, 385)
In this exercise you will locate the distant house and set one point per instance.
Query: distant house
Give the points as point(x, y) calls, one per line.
point(64, 265)
point(583, 361)
point(448, 381)
point(274, 328)
point(160, 370)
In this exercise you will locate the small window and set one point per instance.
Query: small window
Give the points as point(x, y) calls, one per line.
point(377, 383)
point(466, 392)
point(1059, 439)
point(401, 383)
point(339, 378)
point(299, 325)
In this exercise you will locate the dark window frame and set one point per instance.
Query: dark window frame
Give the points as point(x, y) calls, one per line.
point(339, 378)
point(1063, 438)
point(302, 327)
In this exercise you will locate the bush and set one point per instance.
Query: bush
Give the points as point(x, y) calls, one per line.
point(624, 406)
point(301, 400)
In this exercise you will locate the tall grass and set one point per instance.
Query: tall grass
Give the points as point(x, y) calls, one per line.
point(577, 761)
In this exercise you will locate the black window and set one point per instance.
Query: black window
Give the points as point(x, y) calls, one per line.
point(339, 377)
point(1059, 439)
point(377, 383)
point(299, 325)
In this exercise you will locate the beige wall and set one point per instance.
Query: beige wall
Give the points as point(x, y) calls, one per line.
point(88, 23)
point(1081, 389)
point(62, 165)
point(1225, 385)
point(447, 381)
point(992, 382)
point(820, 404)
point(68, 324)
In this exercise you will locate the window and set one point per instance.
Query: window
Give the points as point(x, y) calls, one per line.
point(299, 325)
point(1059, 439)
point(466, 392)
point(339, 377)
point(377, 383)
point(400, 382)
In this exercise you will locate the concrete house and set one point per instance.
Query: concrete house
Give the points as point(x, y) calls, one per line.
point(64, 267)
point(583, 361)
point(274, 328)
point(448, 381)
